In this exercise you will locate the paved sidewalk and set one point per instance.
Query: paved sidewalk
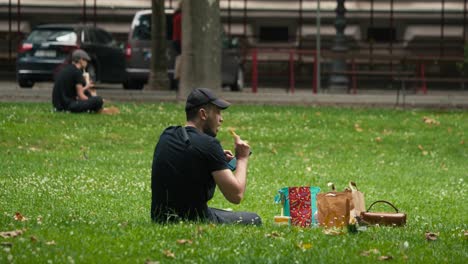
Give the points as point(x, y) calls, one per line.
point(9, 92)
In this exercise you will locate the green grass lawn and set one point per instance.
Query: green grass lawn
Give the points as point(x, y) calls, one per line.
point(83, 183)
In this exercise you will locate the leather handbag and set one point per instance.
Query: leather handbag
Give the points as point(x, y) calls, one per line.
point(383, 218)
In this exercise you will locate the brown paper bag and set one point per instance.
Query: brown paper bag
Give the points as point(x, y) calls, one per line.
point(358, 201)
point(334, 208)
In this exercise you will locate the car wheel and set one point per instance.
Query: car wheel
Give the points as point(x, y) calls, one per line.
point(24, 83)
point(239, 84)
point(132, 84)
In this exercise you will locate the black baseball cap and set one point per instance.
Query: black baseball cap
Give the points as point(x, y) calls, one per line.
point(202, 96)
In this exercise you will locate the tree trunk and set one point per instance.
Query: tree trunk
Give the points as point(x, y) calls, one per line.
point(201, 46)
point(158, 75)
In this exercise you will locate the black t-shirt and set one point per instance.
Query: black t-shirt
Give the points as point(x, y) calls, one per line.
point(64, 91)
point(181, 179)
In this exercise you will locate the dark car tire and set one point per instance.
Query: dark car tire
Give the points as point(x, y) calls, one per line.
point(132, 84)
point(238, 85)
point(24, 83)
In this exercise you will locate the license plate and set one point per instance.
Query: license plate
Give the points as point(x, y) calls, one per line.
point(45, 53)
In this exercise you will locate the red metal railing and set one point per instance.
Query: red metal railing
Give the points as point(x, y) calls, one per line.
point(423, 77)
point(293, 55)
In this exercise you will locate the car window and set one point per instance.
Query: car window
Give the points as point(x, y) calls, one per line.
point(87, 37)
point(225, 40)
point(142, 30)
point(54, 35)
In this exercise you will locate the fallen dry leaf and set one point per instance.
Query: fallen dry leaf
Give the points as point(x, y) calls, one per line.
point(184, 241)
point(385, 257)
point(386, 132)
point(465, 233)
point(33, 239)
point(368, 252)
point(39, 220)
point(424, 152)
point(431, 236)
point(19, 217)
point(378, 139)
point(8, 234)
point(430, 121)
point(51, 243)
point(462, 142)
point(444, 166)
point(304, 246)
point(110, 111)
point(168, 253)
point(273, 234)
point(357, 128)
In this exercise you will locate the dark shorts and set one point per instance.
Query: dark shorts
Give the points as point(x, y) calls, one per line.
point(228, 217)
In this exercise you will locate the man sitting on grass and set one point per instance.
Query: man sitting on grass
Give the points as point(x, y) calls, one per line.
point(189, 162)
point(75, 93)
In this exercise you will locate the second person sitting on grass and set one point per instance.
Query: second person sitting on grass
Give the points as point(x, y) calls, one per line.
point(74, 91)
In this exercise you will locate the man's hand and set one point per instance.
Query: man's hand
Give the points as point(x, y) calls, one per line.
point(229, 155)
point(242, 148)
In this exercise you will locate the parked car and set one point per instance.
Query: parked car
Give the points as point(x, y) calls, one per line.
point(138, 54)
point(48, 47)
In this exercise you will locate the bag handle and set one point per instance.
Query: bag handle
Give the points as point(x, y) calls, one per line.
point(382, 201)
point(352, 186)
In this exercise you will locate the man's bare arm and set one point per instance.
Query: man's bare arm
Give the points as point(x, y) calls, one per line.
point(232, 185)
point(80, 89)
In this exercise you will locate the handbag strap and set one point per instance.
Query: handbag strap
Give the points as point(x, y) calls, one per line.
point(382, 201)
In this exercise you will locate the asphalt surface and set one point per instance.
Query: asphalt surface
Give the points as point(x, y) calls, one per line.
point(41, 92)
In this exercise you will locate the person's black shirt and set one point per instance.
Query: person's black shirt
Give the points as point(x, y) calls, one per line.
point(64, 91)
point(181, 179)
